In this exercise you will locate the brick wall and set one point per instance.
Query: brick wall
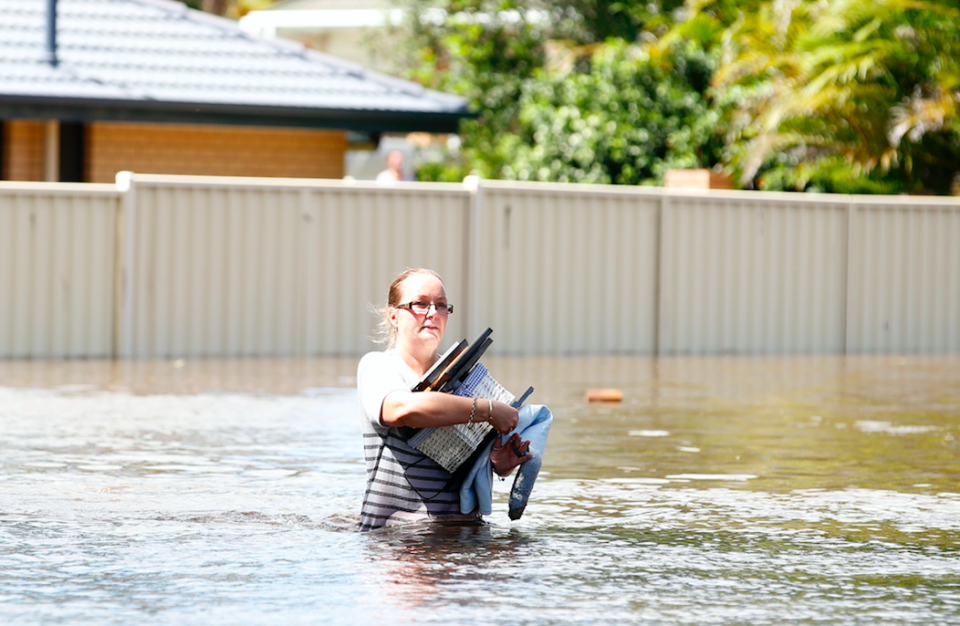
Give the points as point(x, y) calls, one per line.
point(23, 142)
point(211, 151)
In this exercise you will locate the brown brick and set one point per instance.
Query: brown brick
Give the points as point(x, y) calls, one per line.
point(23, 150)
point(212, 151)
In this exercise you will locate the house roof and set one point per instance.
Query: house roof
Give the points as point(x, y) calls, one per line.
point(157, 60)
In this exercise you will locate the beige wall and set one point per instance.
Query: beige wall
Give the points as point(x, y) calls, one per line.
point(212, 151)
point(23, 150)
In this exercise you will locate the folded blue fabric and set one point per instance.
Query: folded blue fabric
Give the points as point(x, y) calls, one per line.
point(476, 493)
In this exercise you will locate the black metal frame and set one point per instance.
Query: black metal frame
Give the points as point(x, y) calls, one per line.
point(409, 306)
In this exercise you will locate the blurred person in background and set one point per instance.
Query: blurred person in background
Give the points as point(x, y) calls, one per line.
point(394, 172)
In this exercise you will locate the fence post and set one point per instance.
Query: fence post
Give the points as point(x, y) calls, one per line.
point(658, 269)
point(307, 279)
point(848, 226)
point(124, 271)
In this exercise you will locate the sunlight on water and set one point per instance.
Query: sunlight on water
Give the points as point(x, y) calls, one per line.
point(720, 491)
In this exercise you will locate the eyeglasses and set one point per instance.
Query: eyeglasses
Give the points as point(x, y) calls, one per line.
point(422, 308)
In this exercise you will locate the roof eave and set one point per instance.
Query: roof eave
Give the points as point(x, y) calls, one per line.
point(91, 110)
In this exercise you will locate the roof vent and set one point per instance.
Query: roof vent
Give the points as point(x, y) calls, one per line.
point(51, 56)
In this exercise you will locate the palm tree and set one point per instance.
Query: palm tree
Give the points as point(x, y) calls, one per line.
point(874, 83)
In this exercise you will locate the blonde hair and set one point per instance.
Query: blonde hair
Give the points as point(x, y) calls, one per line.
point(387, 332)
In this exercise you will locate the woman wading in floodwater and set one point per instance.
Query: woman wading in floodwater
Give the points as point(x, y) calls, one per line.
point(403, 484)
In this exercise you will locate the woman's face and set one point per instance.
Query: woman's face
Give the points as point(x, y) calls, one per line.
point(416, 332)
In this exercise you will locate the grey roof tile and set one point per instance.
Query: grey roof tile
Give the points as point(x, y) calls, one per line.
point(131, 59)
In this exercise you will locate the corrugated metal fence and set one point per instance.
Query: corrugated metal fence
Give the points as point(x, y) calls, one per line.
point(58, 246)
point(170, 267)
point(752, 273)
point(565, 269)
point(251, 267)
point(903, 290)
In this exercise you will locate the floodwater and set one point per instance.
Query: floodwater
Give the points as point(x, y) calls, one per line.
point(734, 490)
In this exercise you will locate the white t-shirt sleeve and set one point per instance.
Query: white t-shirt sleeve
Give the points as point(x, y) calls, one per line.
point(378, 375)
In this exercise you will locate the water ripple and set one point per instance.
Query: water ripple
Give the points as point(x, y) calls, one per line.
point(699, 506)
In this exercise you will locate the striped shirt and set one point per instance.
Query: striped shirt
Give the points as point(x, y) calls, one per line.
point(403, 484)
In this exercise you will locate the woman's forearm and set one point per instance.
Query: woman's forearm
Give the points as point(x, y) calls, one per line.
point(426, 409)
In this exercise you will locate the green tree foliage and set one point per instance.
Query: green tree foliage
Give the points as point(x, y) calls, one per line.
point(625, 119)
point(843, 95)
point(484, 50)
point(596, 21)
point(815, 95)
point(564, 91)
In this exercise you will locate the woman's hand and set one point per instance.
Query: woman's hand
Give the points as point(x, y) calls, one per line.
point(504, 417)
point(504, 457)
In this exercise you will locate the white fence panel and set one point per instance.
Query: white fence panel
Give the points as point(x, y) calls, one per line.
point(566, 269)
point(211, 269)
point(269, 267)
point(278, 267)
point(904, 291)
point(57, 263)
point(752, 273)
point(361, 237)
